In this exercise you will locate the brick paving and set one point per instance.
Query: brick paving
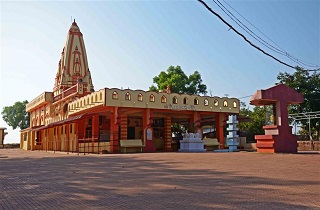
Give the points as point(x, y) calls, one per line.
point(241, 180)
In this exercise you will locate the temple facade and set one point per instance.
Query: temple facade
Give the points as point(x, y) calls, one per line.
point(76, 118)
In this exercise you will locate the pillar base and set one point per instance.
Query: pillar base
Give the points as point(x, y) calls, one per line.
point(150, 147)
point(265, 143)
point(278, 139)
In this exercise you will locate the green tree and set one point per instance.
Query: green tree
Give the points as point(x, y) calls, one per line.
point(255, 127)
point(16, 115)
point(308, 84)
point(305, 83)
point(179, 82)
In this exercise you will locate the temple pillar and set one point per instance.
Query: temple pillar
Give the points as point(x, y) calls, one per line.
point(81, 132)
point(31, 140)
point(114, 131)
point(40, 139)
point(148, 131)
point(46, 134)
point(67, 138)
point(21, 140)
point(72, 137)
point(54, 141)
point(49, 137)
point(147, 118)
point(124, 127)
point(196, 120)
point(219, 129)
point(168, 134)
point(58, 139)
point(95, 131)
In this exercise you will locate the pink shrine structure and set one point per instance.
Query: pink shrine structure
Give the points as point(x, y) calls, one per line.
point(278, 136)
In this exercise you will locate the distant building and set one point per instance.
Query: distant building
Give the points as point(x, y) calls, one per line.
point(2, 135)
point(75, 118)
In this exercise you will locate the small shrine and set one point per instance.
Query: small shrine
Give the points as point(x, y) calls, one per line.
point(278, 136)
point(192, 143)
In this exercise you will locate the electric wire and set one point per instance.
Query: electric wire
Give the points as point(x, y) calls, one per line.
point(248, 30)
point(240, 34)
point(245, 38)
point(245, 97)
point(300, 61)
point(256, 37)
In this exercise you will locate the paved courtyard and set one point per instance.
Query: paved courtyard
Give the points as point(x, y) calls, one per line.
point(242, 180)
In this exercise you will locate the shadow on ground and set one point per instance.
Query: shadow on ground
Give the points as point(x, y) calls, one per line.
point(132, 182)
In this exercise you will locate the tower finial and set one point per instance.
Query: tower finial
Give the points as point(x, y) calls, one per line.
point(74, 20)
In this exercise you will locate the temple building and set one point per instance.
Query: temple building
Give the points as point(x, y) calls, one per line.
point(76, 118)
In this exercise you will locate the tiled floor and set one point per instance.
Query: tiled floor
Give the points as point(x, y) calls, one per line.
point(241, 180)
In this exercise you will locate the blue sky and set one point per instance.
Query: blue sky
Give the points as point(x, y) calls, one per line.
point(130, 42)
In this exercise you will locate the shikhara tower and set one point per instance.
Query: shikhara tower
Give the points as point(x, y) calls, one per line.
point(73, 65)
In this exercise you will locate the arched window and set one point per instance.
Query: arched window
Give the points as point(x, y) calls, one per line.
point(115, 95)
point(235, 104)
point(163, 99)
point(206, 102)
point(225, 103)
point(152, 98)
point(140, 97)
point(185, 100)
point(96, 98)
point(92, 99)
point(174, 100)
point(88, 101)
point(196, 101)
point(216, 102)
point(128, 96)
point(100, 96)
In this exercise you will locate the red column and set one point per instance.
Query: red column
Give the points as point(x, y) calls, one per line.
point(114, 132)
point(195, 122)
point(124, 127)
point(74, 140)
point(147, 122)
point(95, 131)
point(67, 137)
point(32, 140)
point(219, 129)
point(81, 132)
point(168, 135)
point(58, 138)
